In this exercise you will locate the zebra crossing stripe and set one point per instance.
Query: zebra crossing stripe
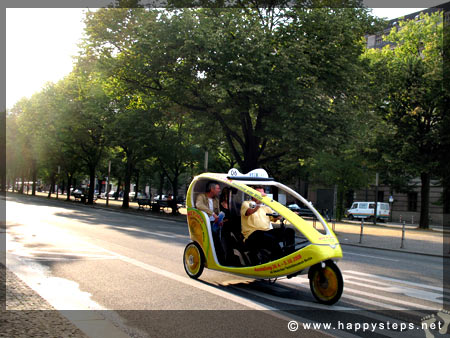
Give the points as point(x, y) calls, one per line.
point(436, 288)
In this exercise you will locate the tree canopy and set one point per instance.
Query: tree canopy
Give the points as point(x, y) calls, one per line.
point(271, 79)
point(411, 101)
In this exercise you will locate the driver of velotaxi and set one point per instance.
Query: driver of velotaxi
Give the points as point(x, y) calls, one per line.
point(257, 230)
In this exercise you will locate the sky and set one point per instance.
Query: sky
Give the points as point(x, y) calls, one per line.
point(40, 44)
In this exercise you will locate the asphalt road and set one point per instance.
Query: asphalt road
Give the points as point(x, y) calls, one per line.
point(129, 268)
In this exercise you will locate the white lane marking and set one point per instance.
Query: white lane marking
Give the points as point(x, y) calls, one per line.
point(369, 256)
point(62, 259)
point(126, 215)
point(161, 234)
point(69, 254)
point(395, 280)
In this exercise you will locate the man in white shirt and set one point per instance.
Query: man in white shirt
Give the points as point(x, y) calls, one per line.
point(209, 201)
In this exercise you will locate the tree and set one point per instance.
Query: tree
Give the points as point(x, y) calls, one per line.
point(49, 145)
point(23, 131)
point(176, 151)
point(266, 75)
point(411, 71)
point(132, 130)
point(85, 111)
point(344, 163)
point(14, 147)
point(3, 181)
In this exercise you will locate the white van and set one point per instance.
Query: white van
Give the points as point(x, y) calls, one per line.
point(366, 210)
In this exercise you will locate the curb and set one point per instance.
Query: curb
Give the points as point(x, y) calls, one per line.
point(395, 250)
point(399, 226)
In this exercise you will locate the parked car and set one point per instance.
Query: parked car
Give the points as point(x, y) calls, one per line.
point(82, 194)
point(141, 195)
point(300, 211)
point(77, 193)
point(103, 195)
point(363, 210)
point(132, 195)
point(161, 197)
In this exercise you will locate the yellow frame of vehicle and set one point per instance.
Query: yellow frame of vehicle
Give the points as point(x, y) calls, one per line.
point(322, 247)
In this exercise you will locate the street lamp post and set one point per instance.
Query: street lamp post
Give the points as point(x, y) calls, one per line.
point(57, 178)
point(376, 199)
point(107, 183)
point(334, 201)
point(391, 201)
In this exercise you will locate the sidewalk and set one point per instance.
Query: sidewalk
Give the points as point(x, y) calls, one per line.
point(21, 318)
point(389, 237)
point(26, 314)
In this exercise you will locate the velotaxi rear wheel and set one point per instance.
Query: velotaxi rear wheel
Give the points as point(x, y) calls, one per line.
point(193, 260)
point(326, 283)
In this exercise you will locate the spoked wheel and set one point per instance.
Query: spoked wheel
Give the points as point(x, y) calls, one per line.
point(193, 260)
point(326, 283)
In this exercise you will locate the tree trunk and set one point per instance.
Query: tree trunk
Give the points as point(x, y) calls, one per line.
point(34, 178)
point(161, 183)
point(3, 178)
point(175, 194)
point(119, 184)
point(21, 186)
point(137, 185)
point(126, 191)
point(63, 187)
point(250, 156)
point(91, 185)
point(340, 203)
point(69, 183)
point(424, 201)
point(52, 186)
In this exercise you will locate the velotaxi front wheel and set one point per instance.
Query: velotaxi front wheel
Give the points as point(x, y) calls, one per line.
point(193, 260)
point(326, 283)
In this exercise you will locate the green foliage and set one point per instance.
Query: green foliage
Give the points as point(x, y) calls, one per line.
point(248, 70)
point(411, 70)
